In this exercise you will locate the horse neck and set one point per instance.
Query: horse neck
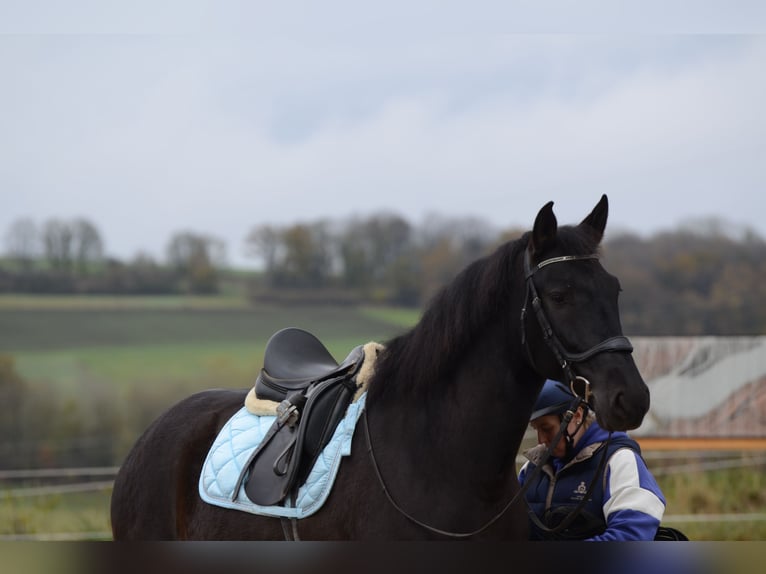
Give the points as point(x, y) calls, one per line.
point(464, 407)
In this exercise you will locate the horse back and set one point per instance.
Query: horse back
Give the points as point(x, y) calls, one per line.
point(153, 489)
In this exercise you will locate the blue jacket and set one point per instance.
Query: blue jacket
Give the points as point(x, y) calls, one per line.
point(625, 504)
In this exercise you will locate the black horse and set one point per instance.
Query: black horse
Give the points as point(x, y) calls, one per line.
point(446, 409)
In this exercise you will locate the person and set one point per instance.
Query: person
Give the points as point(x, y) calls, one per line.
point(625, 502)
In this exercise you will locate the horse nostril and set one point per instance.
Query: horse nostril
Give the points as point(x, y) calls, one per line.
point(630, 411)
point(619, 403)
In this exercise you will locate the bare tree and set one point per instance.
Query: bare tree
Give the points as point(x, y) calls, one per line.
point(307, 255)
point(196, 257)
point(265, 242)
point(57, 241)
point(371, 249)
point(88, 245)
point(22, 242)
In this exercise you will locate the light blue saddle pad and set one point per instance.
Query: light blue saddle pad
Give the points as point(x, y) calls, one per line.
point(237, 440)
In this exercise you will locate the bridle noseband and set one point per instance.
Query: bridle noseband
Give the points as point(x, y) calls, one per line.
point(564, 358)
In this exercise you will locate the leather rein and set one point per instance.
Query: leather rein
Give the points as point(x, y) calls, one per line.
point(564, 358)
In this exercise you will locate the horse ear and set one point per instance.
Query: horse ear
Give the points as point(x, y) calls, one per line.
point(545, 230)
point(595, 223)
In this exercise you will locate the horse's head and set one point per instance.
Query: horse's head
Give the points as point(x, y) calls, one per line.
point(571, 322)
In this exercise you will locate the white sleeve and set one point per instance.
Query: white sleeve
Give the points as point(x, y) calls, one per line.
point(631, 487)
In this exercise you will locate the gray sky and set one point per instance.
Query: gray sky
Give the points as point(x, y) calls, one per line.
point(154, 118)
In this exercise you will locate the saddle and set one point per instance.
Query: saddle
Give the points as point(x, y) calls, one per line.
point(313, 391)
point(294, 359)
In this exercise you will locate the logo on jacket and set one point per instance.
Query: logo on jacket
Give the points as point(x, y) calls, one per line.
point(581, 488)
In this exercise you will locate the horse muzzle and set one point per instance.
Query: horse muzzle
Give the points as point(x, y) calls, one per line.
point(620, 407)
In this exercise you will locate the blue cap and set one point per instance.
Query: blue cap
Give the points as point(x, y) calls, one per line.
point(554, 398)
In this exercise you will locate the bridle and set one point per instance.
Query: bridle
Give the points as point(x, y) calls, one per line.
point(617, 343)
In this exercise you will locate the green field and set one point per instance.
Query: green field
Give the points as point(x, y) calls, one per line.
point(65, 343)
point(98, 370)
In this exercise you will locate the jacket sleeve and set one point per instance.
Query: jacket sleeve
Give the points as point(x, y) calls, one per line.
point(633, 502)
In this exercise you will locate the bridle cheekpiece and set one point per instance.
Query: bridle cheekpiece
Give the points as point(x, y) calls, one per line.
point(564, 358)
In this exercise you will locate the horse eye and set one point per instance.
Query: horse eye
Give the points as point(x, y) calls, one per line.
point(558, 297)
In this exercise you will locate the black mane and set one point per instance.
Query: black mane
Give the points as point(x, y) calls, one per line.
point(420, 357)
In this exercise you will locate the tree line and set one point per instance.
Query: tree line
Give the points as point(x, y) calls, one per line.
point(380, 258)
point(692, 281)
point(68, 256)
point(689, 281)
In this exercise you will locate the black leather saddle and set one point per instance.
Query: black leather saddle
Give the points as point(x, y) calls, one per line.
point(314, 392)
point(295, 358)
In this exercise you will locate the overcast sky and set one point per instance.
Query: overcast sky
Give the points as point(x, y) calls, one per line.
point(172, 116)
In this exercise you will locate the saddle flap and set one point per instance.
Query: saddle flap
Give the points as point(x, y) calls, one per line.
point(287, 453)
point(270, 471)
point(325, 407)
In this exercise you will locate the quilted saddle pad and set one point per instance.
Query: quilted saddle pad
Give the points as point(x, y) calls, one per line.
point(241, 435)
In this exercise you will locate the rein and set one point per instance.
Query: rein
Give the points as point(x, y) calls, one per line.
point(419, 522)
point(617, 343)
point(527, 483)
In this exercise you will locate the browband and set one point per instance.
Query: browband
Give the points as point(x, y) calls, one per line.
point(560, 259)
